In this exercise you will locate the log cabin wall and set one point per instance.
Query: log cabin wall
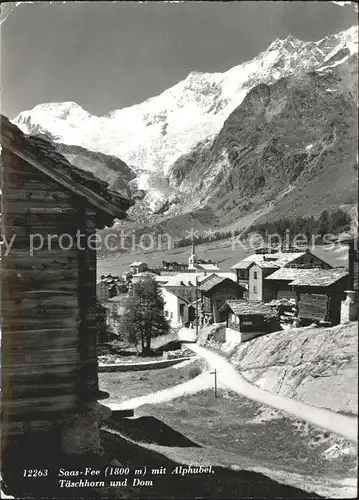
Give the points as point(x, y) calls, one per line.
point(87, 327)
point(44, 340)
point(321, 303)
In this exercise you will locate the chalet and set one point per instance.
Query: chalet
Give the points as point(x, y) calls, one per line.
point(178, 304)
point(214, 292)
point(48, 302)
point(247, 319)
point(138, 267)
point(255, 268)
point(318, 291)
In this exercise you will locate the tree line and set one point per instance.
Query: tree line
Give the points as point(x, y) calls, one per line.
point(328, 222)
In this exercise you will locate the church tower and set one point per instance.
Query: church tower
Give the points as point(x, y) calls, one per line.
point(192, 260)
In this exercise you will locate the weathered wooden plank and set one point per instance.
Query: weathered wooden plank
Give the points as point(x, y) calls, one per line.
point(56, 371)
point(26, 194)
point(26, 355)
point(313, 306)
point(55, 255)
point(32, 323)
point(38, 207)
point(30, 405)
point(64, 338)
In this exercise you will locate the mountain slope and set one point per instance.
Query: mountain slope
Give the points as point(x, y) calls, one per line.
point(297, 135)
point(231, 142)
point(108, 168)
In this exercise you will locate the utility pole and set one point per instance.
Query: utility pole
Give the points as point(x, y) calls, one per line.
point(215, 382)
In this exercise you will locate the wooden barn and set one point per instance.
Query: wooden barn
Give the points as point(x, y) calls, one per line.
point(319, 292)
point(50, 213)
point(214, 292)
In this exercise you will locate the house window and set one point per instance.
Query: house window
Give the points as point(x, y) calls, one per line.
point(255, 275)
point(254, 289)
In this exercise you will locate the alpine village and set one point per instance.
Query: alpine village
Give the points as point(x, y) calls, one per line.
point(212, 367)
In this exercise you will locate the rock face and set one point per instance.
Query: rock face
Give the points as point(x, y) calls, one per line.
point(293, 138)
point(107, 168)
point(275, 126)
point(316, 365)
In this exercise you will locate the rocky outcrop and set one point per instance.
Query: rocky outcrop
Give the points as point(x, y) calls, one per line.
point(107, 168)
point(316, 365)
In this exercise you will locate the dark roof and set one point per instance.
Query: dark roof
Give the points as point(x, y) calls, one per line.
point(271, 259)
point(308, 276)
point(250, 308)
point(214, 280)
point(42, 155)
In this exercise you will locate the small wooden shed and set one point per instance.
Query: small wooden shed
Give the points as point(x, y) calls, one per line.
point(318, 291)
point(250, 318)
point(50, 213)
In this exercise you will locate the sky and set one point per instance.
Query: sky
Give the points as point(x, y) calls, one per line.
point(108, 55)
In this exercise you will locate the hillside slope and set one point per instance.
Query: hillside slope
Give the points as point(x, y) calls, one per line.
point(273, 134)
point(291, 136)
point(316, 365)
point(108, 168)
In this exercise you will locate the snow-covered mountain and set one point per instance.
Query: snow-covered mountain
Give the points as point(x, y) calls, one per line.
point(151, 136)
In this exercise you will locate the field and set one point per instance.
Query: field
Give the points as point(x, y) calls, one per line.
point(126, 385)
point(222, 252)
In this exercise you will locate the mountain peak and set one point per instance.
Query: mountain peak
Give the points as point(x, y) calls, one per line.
point(152, 135)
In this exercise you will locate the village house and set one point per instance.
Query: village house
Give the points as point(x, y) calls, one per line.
point(48, 301)
point(318, 291)
point(178, 304)
point(247, 319)
point(255, 269)
point(109, 286)
point(138, 267)
point(214, 292)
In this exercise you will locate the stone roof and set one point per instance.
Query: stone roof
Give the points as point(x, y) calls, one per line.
point(136, 264)
point(42, 155)
point(250, 308)
point(308, 276)
point(212, 281)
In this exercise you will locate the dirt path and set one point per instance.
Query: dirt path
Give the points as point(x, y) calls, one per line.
point(342, 425)
point(202, 382)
